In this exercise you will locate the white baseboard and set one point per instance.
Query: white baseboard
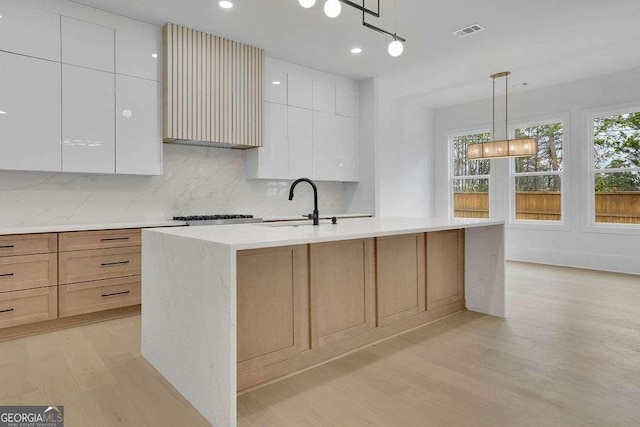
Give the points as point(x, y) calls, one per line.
point(592, 261)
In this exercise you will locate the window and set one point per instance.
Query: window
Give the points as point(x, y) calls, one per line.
point(470, 178)
point(538, 179)
point(616, 162)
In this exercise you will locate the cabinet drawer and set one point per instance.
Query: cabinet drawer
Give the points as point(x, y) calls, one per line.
point(28, 244)
point(28, 271)
point(33, 305)
point(97, 264)
point(82, 240)
point(89, 297)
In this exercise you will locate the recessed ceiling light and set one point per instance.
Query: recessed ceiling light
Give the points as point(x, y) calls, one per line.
point(3, 112)
point(154, 55)
point(356, 50)
point(277, 82)
point(225, 4)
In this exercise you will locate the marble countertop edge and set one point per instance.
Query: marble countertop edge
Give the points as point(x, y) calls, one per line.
point(61, 228)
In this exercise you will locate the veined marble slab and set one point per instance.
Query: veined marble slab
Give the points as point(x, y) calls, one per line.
point(189, 292)
point(253, 236)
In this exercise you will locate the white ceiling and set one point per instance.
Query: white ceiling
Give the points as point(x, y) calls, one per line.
point(543, 42)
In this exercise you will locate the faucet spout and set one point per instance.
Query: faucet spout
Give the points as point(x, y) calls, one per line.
point(315, 216)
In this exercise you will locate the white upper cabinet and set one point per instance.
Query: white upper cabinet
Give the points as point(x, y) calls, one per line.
point(310, 129)
point(300, 90)
point(327, 147)
point(138, 126)
point(349, 133)
point(88, 128)
point(347, 101)
point(300, 133)
point(335, 147)
point(88, 45)
point(29, 113)
point(139, 50)
point(29, 31)
point(275, 86)
point(324, 97)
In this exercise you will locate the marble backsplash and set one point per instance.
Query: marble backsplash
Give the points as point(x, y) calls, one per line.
point(196, 180)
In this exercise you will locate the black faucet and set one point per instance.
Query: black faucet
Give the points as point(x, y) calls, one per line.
point(315, 216)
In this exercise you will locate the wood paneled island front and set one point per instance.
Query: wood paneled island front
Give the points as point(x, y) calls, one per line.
point(228, 308)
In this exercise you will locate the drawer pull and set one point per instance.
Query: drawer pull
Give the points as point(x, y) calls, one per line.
point(7, 246)
point(115, 294)
point(109, 264)
point(110, 239)
point(6, 275)
point(6, 311)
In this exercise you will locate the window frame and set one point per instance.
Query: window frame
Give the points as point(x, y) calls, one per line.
point(591, 225)
point(451, 160)
point(533, 223)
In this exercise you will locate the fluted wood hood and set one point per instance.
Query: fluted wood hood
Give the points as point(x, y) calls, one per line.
point(212, 90)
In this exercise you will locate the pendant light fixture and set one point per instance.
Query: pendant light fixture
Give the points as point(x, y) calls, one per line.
point(333, 8)
point(506, 148)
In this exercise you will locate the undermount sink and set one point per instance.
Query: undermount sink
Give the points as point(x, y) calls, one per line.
point(292, 225)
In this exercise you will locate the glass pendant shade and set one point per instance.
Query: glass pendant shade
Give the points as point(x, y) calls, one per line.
point(307, 3)
point(332, 8)
point(396, 48)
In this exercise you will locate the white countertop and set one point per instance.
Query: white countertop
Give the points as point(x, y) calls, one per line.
point(250, 236)
point(60, 228)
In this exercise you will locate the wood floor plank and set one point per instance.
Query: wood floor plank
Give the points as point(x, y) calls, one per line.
point(568, 354)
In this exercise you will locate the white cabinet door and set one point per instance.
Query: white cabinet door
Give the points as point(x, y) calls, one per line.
point(88, 45)
point(138, 126)
point(324, 97)
point(349, 132)
point(300, 90)
point(139, 50)
point(29, 113)
point(327, 147)
point(300, 123)
point(274, 153)
point(275, 86)
point(88, 128)
point(29, 31)
point(347, 101)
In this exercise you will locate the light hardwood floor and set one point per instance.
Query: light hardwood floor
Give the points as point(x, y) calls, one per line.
point(567, 354)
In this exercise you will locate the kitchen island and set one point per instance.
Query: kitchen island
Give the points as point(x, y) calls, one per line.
point(227, 308)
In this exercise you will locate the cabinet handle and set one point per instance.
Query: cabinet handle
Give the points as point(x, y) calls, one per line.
point(109, 264)
point(7, 246)
point(115, 294)
point(110, 239)
point(6, 311)
point(6, 275)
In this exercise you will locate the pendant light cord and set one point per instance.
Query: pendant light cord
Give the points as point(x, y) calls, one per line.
point(506, 107)
point(493, 129)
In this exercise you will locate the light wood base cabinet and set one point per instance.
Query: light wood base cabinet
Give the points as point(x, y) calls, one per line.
point(400, 275)
point(99, 295)
point(273, 305)
point(296, 311)
point(445, 268)
point(342, 290)
point(29, 306)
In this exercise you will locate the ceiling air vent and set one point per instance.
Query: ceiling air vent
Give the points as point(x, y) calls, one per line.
point(467, 31)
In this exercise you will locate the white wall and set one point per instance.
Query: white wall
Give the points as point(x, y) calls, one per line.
point(360, 196)
point(196, 180)
point(576, 243)
point(403, 157)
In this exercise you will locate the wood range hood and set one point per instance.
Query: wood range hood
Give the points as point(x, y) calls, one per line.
point(212, 90)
